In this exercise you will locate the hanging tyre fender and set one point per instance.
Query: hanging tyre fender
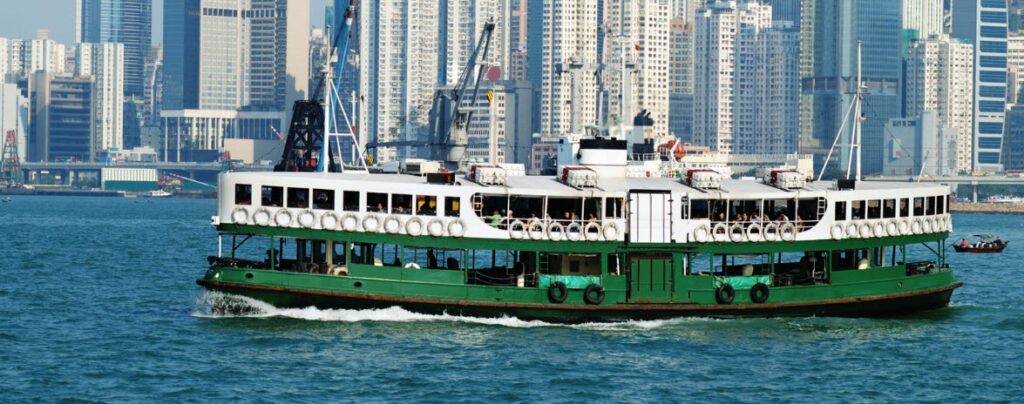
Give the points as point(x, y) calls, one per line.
point(240, 215)
point(557, 292)
point(759, 293)
point(725, 294)
point(329, 221)
point(593, 294)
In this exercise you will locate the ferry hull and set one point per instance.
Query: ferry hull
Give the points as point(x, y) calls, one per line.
point(889, 305)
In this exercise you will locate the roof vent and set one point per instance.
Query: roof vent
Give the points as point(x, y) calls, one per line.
point(579, 176)
point(786, 179)
point(487, 174)
point(704, 179)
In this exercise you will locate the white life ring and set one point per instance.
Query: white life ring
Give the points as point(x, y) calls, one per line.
point(878, 229)
point(436, 227)
point(610, 231)
point(329, 221)
point(349, 222)
point(456, 228)
point(307, 219)
point(865, 230)
point(926, 225)
point(852, 230)
point(261, 217)
point(916, 227)
point(754, 232)
point(412, 265)
point(592, 231)
point(949, 223)
point(788, 232)
point(720, 232)
point(937, 225)
point(736, 233)
point(392, 224)
point(904, 226)
point(891, 228)
point(556, 232)
point(574, 231)
point(240, 215)
point(371, 223)
point(535, 229)
point(414, 226)
point(283, 218)
point(702, 233)
point(771, 232)
point(517, 230)
point(837, 232)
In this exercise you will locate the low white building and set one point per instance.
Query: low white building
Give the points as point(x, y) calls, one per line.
point(920, 146)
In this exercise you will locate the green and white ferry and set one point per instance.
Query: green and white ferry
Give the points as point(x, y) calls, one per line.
point(608, 239)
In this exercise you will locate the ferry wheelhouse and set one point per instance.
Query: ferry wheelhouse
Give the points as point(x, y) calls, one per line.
point(605, 240)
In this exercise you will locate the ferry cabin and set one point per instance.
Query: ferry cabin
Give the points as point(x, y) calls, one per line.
point(540, 247)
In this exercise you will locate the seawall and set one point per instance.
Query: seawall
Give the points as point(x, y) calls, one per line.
point(983, 207)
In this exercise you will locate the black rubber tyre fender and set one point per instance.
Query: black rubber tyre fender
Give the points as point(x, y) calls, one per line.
point(557, 292)
point(725, 294)
point(593, 294)
point(759, 293)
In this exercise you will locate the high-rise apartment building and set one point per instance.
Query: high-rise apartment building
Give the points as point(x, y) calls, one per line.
point(939, 78)
point(566, 35)
point(465, 20)
point(61, 117)
point(399, 47)
point(983, 22)
point(788, 10)
point(103, 63)
point(923, 16)
point(645, 25)
point(127, 22)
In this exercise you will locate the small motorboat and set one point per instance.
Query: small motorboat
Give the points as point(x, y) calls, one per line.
point(6, 199)
point(986, 244)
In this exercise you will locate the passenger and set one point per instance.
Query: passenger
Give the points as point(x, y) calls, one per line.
point(379, 207)
point(964, 243)
point(591, 218)
point(431, 259)
point(452, 263)
point(494, 219)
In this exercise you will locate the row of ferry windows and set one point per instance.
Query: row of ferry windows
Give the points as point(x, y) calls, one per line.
point(891, 208)
point(350, 201)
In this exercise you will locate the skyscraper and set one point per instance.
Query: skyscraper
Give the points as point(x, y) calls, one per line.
point(789, 10)
point(568, 35)
point(983, 22)
point(465, 21)
point(646, 27)
point(104, 64)
point(923, 16)
point(128, 22)
point(940, 78)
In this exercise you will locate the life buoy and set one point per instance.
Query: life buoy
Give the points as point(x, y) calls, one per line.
point(574, 231)
point(593, 294)
point(725, 294)
point(852, 230)
point(557, 292)
point(307, 219)
point(283, 218)
point(720, 232)
point(240, 215)
point(414, 226)
point(837, 232)
point(701, 233)
point(371, 223)
point(865, 230)
point(436, 227)
point(517, 230)
point(754, 232)
point(392, 224)
point(759, 293)
point(592, 231)
point(412, 265)
point(904, 226)
point(915, 226)
point(261, 217)
point(771, 232)
point(949, 223)
point(329, 221)
point(349, 222)
point(927, 225)
point(788, 232)
point(610, 231)
point(736, 233)
point(456, 228)
point(535, 229)
point(878, 229)
point(556, 232)
point(891, 228)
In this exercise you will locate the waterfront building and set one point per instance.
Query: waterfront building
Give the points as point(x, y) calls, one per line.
point(61, 125)
point(1013, 145)
point(920, 146)
point(923, 17)
point(127, 22)
point(788, 10)
point(939, 78)
point(104, 64)
point(646, 27)
point(984, 22)
point(399, 72)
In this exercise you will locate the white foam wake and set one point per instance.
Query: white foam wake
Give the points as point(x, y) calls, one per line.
point(211, 304)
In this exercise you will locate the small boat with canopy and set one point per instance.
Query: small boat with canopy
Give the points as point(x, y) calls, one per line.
point(987, 244)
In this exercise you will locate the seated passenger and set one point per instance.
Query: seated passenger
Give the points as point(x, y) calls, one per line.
point(964, 243)
point(494, 219)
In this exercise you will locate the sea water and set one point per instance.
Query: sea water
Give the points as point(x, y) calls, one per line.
point(98, 302)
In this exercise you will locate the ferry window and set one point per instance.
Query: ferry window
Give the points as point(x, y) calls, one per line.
point(566, 209)
point(719, 211)
point(840, 210)
point(918, 206)
point(874, 209)
point(940, 205)
point(613, 208)
point(298, 197)
point(699, 209)
point(493, 205)
point(931, 205)
point(323, 199)
point(272, 196)
point(526, 207)
point(807, 211)
point(350, 200)
point(376, 202)
point(844, 260)
point(889, 208)
point(243, 194)
point(857, 210)
point(452, 206)
point(401, 204)
point(592, 209)
point(904, 207)
point(745, 210)
point(426, 205)
point(780, 209)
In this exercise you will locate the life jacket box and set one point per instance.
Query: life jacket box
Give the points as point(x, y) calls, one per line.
point(513, 170)
point(579, 176)
point(786, 179)
point(704, 179)
point(487, 174)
